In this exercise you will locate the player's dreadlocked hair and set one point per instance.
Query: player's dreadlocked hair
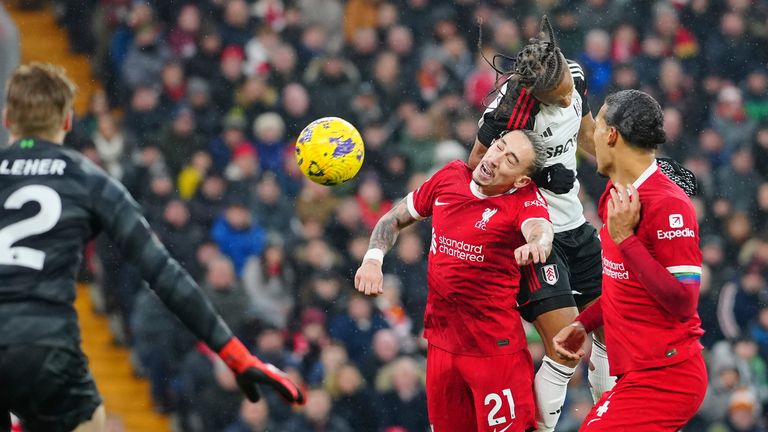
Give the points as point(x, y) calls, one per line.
point(538, 66)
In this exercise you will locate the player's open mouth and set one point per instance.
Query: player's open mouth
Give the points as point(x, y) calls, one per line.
point(484, 170)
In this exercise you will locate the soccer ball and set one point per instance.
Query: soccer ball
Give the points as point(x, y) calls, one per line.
point(330, 151)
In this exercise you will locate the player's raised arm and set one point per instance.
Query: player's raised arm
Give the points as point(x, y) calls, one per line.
point(120, 216)
point(369, 278)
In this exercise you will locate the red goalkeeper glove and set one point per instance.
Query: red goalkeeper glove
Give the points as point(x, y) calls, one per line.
point(250, 372)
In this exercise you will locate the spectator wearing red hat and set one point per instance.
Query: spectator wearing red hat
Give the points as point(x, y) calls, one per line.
point(229, 77)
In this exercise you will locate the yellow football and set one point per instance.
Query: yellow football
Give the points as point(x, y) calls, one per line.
point(330, 151)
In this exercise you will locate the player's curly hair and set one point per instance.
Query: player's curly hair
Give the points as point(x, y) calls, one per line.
point(539, 66)
point(638, 118)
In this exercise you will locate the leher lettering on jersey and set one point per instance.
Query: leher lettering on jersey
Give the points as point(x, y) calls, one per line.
point(24, 167)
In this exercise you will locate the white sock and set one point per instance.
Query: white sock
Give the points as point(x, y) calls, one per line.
point(600, 380)
point(550, 384)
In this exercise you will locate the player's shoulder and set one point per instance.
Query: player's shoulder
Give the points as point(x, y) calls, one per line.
point(457, 166)
point(664, 194)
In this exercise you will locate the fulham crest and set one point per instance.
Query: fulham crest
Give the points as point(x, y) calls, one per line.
point(550, 274)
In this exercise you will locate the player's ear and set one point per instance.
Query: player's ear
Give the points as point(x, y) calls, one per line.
point(613, 136)
point(523, 181)
point(68, 119)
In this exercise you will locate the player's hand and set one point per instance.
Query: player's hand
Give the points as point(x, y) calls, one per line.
point(250, 372)
point(369, 279)
point(569, 342)
point(623, 212)
point(531, 253)
point(556, 178)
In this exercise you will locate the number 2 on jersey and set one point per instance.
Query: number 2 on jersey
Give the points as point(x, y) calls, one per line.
point(496, 399)
point(45, 219)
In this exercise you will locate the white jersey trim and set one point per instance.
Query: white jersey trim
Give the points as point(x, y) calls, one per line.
point(644, 176)
point(684, 269)
point(412, 208)
point(475, 189)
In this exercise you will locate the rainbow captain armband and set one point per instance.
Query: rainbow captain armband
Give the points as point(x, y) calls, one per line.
point(686, 274)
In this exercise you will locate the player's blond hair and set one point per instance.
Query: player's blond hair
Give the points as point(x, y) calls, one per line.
point(38, 98)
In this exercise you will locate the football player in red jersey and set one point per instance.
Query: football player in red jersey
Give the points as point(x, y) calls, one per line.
point(651, 273)
point(489, 225)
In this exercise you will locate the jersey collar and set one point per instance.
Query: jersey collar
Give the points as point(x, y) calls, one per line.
point(644, 176)
point(475, 189)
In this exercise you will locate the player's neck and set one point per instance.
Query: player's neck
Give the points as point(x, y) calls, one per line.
point(631, 166)
point(56, 139)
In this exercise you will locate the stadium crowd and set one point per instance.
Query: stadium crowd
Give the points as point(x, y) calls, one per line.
point(203, 100)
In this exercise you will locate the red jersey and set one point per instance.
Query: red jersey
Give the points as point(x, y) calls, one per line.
point(473, 278)
point(639, 333)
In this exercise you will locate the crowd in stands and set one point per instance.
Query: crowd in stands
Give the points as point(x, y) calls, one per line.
point(203, 100)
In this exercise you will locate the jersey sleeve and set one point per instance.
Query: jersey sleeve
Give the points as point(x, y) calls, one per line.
point(511, 109)
point(421, 200)
point(673, 233)
point(580, 83)
point(533, 207)
point(121, 218)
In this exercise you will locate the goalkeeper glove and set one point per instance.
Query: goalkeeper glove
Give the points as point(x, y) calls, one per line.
point(250, 372)
point(556, 178)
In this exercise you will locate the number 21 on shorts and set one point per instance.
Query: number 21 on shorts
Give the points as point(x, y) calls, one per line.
point(496, 401)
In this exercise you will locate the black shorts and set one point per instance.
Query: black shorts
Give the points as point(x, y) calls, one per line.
point(572, 275)
point(49, 388)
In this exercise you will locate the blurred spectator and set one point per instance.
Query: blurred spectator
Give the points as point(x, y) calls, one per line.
point(180, 139)
point(210, 398)
point(193, 173)
point(209, 201)
point(159, 340)
point(724, 382)
point(236, 28)
point(254, 417)
point(385, 348)
point(226, 293)
point(207, 55)
point(111, 145)
point(739, 302)
point(728, 52)
point(596, 62)
point(231, 138)
point(317, 415)
point(405, 405)
point(269, 136)
point(145, 59)
point(354, 401)
point(295, 109)
point(269, 280)
point(730, 120)
point(238, 235)
point(356, 327)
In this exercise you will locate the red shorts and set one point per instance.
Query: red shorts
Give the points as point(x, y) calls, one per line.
point(484, 394)
point(652, 400)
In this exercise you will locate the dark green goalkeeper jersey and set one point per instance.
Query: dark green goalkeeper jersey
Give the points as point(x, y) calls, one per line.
point(52, 201)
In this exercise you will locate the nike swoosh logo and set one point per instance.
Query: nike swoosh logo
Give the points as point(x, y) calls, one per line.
point(508, 426)
point(592, 421)
point(438, 203)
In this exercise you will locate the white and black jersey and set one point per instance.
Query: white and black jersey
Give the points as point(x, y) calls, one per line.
point(516, 108)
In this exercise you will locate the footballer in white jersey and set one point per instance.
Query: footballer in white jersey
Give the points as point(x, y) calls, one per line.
point(547, 94)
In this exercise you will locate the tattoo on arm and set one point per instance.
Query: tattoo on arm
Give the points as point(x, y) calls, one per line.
point(386, 229)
